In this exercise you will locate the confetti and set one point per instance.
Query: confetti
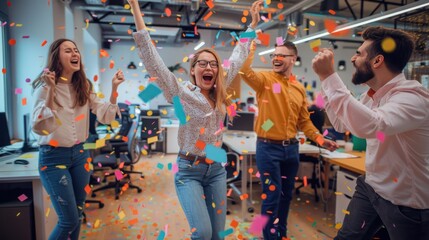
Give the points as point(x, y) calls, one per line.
point(258, 223)
point(380, 136)
point(268, 124)
point(22, 197)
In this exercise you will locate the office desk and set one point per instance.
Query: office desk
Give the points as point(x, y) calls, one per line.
point(29, 173)
point(245, 145)
point(171, 144)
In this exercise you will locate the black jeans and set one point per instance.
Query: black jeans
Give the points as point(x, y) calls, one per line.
point(369, 211)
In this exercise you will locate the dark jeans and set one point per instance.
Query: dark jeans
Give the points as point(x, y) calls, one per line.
point(369, 211)
point(64, 176)
point(278, 166)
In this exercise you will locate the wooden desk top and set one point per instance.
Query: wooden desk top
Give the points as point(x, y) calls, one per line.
point(356, 165)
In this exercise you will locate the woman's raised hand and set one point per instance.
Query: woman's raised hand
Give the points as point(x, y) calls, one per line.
point(254, 12)
point(49, 77)
point(118, 78)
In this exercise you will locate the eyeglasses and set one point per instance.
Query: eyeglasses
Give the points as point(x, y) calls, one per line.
point(272, 55)
point(203, 63)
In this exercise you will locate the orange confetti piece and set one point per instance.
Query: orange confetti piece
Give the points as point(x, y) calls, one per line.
point(200, 144)
point(133, 221)
point(80, 117)
point(263, 196)
point(207, 16)
point(320, 140)
point(304, 180)
point(332, 12)
point(167, 12)
point(103, 53)
point(44, 43)
point(87, 189)
point(123, 19)
point(112, 64)
point(264, 38)
point(12, 42)
point(3, 70)
point(53, 143)
point(210, 4)
point(43, 168)
point(95, 78)
point(24, 101)
point(202, 131)
point(246, 13)
point(243, 19)
point(233, 223)
point(115, 94)
point(272, 188)
point(244, 196)
point(395, 180)
point(280, 5)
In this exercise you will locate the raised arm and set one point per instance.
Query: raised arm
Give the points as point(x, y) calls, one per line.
point(155, 66)
point(241, 50)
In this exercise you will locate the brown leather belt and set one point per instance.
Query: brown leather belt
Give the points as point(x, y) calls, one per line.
point(287, 142)
point(195, 158)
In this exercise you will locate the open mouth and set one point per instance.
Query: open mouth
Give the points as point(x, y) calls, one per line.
point(277, 64)
point(207, 78)
point(75, 62)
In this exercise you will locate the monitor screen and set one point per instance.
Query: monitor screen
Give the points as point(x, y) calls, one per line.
point(242, 122)
point(4, 136)
point(149, 127)
point(167, 111)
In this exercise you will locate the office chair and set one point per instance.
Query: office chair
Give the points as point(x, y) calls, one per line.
point(314, 180)
point(150, 128)
point(233, 174)
point(126, 155)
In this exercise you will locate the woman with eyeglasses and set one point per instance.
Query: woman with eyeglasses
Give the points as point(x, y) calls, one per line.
point(200, 183)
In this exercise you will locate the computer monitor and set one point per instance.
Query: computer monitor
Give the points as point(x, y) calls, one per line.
point(167, 111)
point(243, 122)
point(4, 136)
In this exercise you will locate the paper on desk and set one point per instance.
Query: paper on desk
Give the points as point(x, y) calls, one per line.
point(336, 154)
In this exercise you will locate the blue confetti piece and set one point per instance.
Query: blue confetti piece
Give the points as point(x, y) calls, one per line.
point(149, 93)
point(214, 153)
point(251, 35)
point(218, 34)
point(223, 234)
point(161, 235)
point(234, 35)
point(170, 166)
point(178, 110)
point(160, 166)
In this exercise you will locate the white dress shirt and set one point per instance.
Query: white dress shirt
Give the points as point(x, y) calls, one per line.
point(398, 167)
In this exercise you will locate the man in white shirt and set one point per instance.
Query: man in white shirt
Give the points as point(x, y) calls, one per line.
point(393, 116)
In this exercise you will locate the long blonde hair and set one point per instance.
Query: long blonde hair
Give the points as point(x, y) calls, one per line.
point(219, 92)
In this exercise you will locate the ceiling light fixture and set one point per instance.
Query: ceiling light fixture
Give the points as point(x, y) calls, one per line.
point(362, 21)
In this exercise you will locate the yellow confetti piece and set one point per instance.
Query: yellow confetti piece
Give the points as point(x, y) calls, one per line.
point(63, 78)
point(149, 113)
point(188, 117)
point(152, 139)
point(388, 45)
point(121, 215)
point(315, 43)
point(87, 23)
point(213, 205)
point(45, 132)
point(97, 223)
point(345, 212)
point(348, 188)
point(312, 23)
point(48, 210)
point(132, 48)
point(185, 59)
point(114, 124)
point(150, 29)
point(338, 226)
point(18, 214)
point(338, 193)
point(144, 152)
point(61, 166)
point(100, 95)
point(141, 88)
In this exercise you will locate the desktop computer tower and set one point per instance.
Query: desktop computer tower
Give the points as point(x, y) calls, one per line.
point(16, 217)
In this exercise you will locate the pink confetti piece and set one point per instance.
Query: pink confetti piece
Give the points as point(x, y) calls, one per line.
point(22, 198)
point(18, 90)
point(319, 102)
point(175, 168)
point(244, 40)
point(26, 36)
point(258, 174)
point(276, 88)
point(233, 112)
point(380, 136)
point(279, 40)
point(127, 102)
point(226, 63)
point(325, 132)
point(118, 175)
point(258, 223)
point(363, 225)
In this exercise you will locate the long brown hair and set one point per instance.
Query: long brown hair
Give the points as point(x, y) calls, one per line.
point(79, 80)
point(218, 92)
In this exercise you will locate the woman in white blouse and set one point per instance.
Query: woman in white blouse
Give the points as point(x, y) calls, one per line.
point(63, 99)
point(200, 182)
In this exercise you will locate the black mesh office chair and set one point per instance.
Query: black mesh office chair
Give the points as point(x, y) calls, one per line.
point(126, 154)
point(150, 131)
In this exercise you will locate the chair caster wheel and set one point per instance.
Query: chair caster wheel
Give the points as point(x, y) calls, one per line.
point(100, 205)
point(250, 210)
point(93, 195)
point(139, 190)
point(116, 197)
point(228, 212)
point(233, 202)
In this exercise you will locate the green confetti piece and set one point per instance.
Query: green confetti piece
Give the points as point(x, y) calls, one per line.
point(268, 124)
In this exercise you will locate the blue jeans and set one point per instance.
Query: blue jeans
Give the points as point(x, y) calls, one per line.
point(63, 175)
point(369, 211)
point(278, 166)
point(201, 189)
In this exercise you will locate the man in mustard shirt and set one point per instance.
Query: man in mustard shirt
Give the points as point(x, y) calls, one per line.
point(282, 111)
